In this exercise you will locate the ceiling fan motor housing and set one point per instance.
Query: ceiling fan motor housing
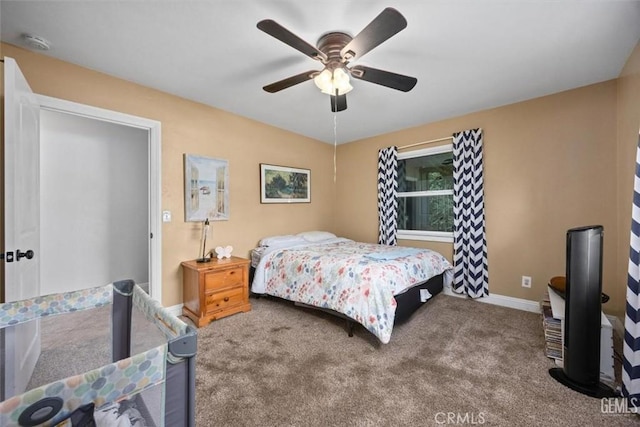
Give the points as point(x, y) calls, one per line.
point(331, 44)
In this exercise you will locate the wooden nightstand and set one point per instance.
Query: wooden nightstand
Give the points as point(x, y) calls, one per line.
point(215, 289)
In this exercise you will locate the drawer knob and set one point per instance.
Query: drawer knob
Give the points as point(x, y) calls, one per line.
point(226, 299)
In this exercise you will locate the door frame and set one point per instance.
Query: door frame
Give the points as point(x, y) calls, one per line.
point(153, 128)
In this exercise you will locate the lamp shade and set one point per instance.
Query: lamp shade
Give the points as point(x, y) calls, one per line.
point(329, 81)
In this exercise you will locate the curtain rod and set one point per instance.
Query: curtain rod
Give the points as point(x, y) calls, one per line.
point(426, 142)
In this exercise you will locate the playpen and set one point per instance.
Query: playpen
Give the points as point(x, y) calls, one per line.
point(104, 356)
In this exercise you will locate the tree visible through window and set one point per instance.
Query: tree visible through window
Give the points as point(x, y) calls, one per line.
point(425, 194)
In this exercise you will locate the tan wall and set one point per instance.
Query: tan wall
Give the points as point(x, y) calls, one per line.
point(628, 127)
point(547, 161)
point(189, 127)
point(548, 167)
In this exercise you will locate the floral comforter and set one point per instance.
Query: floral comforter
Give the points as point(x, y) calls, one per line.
point(356, 279)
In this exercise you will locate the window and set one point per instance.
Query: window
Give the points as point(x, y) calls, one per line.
point(425, 194)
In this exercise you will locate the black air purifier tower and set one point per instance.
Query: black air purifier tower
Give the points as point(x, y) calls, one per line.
point(582, 313)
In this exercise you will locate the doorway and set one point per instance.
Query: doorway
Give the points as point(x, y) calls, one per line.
point(100, 196)
point(94, 209)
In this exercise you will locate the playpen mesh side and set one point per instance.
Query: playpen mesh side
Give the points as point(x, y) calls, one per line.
point(111, 383)
point(133, 384)
point(13, 313)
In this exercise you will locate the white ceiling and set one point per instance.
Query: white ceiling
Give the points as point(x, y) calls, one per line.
point(467, 55)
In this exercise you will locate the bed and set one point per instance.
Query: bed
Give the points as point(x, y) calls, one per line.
point(109, 356)
point(373, 285)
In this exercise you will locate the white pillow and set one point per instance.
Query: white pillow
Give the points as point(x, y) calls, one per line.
point(316, 236)
point(285, 239)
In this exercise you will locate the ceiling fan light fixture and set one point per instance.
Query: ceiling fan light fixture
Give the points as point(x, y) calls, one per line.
point(329, 81)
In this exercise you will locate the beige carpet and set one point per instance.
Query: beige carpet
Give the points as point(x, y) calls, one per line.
point(455, 361)
point(77, 342)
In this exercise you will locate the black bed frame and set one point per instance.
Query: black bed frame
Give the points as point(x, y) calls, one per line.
point(407, 302)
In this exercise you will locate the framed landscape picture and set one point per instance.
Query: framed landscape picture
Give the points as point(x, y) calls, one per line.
point(206, 188)
point(281, 184)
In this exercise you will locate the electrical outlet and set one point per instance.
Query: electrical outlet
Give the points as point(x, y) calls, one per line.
point(166, 216)
point(526, 281)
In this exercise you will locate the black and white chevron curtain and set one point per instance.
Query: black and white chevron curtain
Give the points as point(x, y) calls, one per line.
point(469, 240)
point(631, 350)
point(388, 196)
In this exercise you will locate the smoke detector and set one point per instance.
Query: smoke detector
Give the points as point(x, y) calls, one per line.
point(36, 42)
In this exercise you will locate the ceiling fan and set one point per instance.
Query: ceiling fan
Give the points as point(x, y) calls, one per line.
point(336, 50)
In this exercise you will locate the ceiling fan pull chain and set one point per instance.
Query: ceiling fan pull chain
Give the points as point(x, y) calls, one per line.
point(335, 138)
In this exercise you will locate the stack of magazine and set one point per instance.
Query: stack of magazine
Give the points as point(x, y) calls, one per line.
point(552, 331)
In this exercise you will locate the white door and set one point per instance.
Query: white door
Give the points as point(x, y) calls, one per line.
point(22, 222)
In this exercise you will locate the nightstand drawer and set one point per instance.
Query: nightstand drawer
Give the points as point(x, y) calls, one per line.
point(222, 279)
point(215, 289)
point(224, 299)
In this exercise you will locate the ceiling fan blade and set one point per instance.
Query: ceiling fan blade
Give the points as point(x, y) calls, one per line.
point(338, 103)
point(276, 30)
point(384, 78)
point(388, 23)
point(289, 81)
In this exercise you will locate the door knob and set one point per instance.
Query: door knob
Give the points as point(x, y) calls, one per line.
point(28, 254)
point(9, 255)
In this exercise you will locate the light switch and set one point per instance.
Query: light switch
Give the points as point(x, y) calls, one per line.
point(166, 216)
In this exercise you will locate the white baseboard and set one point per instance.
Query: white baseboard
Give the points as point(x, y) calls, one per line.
point(176, 310)
point(617, 325)
point(502, 300)
point(526, 305)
